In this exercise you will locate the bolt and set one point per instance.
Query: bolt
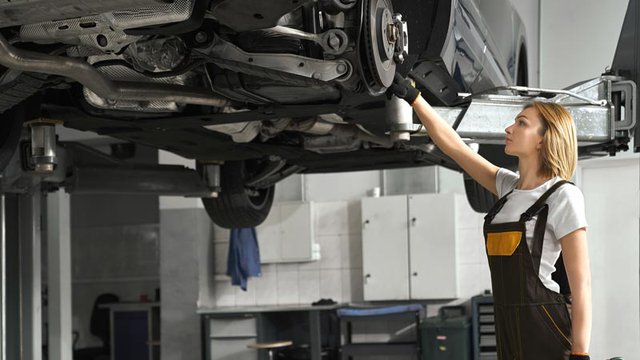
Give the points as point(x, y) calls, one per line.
point(334, 41)
point(102, 40)
point(201, 37)
point(316, 75)
point(341, 68)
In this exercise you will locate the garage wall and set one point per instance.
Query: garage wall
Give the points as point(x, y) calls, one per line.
point(578, 39)
point(612, 198)
point(114, 249)
point(338, 230)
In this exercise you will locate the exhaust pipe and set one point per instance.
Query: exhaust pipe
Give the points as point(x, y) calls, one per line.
point(102, 86)
point(317, 126)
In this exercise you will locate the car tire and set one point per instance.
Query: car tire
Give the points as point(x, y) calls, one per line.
point(234, 207)
point(480, 199)
point(10, 131)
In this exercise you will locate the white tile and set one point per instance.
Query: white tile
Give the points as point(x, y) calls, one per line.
point(466, 217)
point(225, 294)
point(309, 265)
point(220, 234)
point(221, 251)
point(331, 251)
point(473, 279)
point(287, 267)
point(471, 246)
point(355, 251)
point(267, 288)
point(331, 218)
point(288, 287)
point(340, 186)
point(357, 285)
point(308, 286)
point(246, 298)
point(355, 217)
point(346, 285)
point(264, 268)
point(331, 284)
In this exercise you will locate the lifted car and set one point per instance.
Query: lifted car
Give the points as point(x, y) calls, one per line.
point(256, 91)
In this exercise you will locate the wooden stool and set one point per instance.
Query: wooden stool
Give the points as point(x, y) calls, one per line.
point(271, 346)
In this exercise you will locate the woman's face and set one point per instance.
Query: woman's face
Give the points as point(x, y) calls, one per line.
point(523, 136)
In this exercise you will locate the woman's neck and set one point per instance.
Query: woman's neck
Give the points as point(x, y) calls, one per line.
point(529, 176)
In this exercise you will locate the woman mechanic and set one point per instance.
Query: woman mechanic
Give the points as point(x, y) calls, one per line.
point(538, 214)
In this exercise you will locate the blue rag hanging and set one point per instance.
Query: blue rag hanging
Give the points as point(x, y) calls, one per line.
point(244, 256)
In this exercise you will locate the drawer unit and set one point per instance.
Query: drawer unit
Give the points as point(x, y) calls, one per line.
point(227, 337)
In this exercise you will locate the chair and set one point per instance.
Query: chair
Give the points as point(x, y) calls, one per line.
point(349, 315)
point(100, 327)
point(271, 346)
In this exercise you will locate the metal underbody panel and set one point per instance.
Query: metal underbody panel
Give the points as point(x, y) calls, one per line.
point(18, 12)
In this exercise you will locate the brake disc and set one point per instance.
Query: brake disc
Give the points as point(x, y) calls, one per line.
point(377, 45)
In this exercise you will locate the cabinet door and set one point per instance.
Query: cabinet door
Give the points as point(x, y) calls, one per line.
point(268, 234)
point(432, 246)
point(287, 233)
point(385, 259)
point(296, 231)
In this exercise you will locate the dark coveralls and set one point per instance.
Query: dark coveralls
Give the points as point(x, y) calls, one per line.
point(532, 322)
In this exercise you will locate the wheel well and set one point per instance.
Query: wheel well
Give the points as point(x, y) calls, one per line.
point(522, 74)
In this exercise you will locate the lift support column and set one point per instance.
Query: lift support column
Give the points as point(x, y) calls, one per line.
point(59, 276)
point(22, 295)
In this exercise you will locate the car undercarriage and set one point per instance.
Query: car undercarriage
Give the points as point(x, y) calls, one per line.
point(258, 91)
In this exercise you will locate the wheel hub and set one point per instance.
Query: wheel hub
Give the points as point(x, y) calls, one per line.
point(380, 40)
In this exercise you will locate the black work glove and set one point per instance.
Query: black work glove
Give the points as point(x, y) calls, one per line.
point(579, 357)
point(403, 89)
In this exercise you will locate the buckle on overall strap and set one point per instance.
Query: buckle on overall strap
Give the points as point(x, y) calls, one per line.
point(531, 212)
point(541, 202)
point(496, 207)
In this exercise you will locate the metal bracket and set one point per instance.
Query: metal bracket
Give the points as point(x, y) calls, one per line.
point(324, 70)
point(332, 41)
point(604, 110)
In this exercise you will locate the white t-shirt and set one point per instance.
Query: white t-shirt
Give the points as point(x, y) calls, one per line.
point(566, 214)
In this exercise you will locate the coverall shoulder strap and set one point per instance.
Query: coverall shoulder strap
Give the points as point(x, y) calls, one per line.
point(540, 203)
point(497, 207)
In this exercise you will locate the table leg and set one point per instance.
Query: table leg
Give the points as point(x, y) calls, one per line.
point(315, 333)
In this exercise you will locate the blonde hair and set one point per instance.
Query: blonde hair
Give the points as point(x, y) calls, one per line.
point(559, 153)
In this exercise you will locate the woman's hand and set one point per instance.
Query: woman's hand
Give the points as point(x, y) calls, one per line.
point(403, 89)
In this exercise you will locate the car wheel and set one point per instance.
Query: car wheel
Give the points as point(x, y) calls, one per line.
point(237, 206)
point(10, 131)
point(480, 199)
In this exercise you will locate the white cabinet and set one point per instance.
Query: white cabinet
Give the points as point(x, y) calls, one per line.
point(385, 263)
point(287, 234)
point(409, 246)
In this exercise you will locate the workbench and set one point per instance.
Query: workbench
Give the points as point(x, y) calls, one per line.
point(228, 330)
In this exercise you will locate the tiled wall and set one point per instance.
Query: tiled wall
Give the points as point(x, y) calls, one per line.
point(114, 249)
point(337, 275)
point(119, 259)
